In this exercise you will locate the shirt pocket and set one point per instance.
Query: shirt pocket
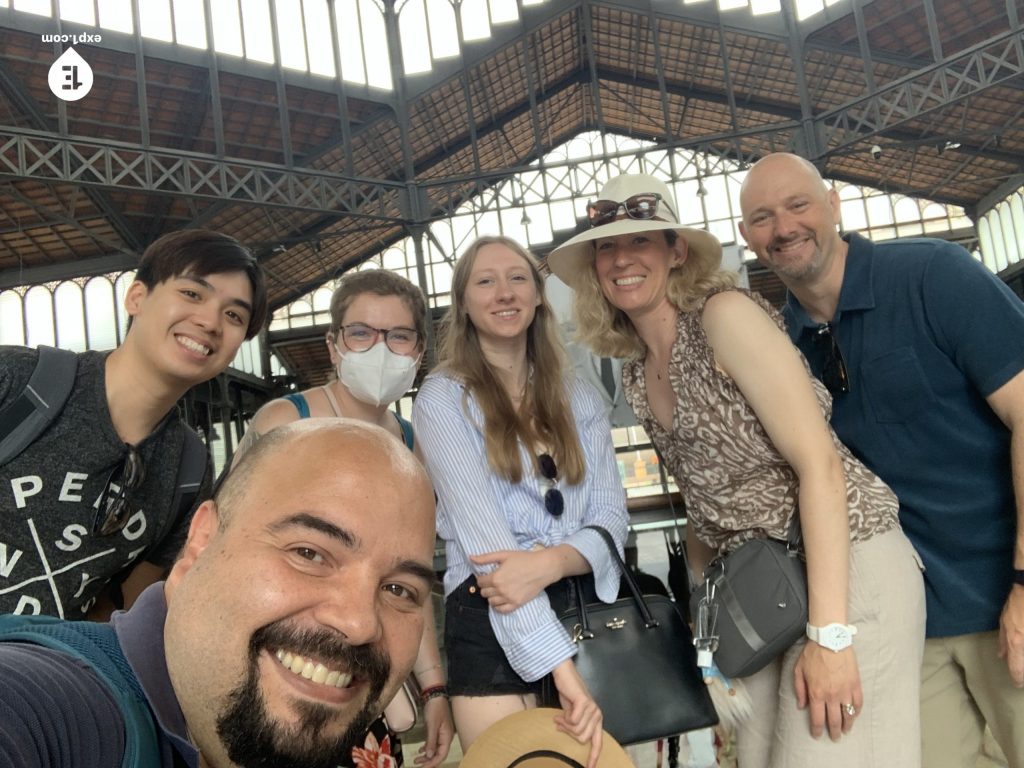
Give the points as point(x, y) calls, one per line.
point(897, 386)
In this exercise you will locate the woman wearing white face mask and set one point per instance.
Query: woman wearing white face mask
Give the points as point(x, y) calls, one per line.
point(378, 329)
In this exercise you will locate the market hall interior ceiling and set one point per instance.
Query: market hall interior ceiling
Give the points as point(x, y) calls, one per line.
point(321, 163)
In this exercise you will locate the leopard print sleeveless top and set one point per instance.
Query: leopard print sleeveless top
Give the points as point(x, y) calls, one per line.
point(735, 483)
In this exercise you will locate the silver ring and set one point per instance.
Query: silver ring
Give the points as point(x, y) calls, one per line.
point(849, 709)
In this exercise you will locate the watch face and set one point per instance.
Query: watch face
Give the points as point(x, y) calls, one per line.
point(837, 637)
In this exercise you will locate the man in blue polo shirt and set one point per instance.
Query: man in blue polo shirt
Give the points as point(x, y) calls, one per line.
point(923, 351)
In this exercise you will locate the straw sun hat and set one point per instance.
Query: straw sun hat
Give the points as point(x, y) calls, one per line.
point(529, 739)
point(577, 254)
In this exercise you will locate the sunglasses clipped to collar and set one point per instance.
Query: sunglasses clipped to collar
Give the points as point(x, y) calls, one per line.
point(642, 206)
point(834, 375)
point(115, 509)
point(554, 502)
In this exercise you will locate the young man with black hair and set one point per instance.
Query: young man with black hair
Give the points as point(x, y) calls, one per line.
point(91, 500)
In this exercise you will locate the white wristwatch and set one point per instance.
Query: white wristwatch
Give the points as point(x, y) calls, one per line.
point(835, 637)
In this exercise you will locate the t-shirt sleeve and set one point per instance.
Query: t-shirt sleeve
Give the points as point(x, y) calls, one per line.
point(55, 712)
point(975, 317)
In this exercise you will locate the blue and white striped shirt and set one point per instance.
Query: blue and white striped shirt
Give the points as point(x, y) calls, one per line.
point(479, 512)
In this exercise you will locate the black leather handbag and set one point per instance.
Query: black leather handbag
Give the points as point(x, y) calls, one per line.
point(637, 658)
point(757, 595)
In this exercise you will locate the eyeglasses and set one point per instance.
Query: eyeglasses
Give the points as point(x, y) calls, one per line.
point(359, 338)
point(834, 375)
point(554, 502)
point(642, 206)
point(114, 507)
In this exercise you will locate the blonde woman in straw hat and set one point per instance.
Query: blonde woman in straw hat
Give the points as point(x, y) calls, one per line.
point(743, 427)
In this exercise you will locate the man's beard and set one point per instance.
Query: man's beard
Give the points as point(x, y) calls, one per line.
point(254, 740)
point(798, 272)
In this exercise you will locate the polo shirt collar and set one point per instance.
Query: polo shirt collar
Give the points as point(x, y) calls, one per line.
point(857, 292)
point(140, 633)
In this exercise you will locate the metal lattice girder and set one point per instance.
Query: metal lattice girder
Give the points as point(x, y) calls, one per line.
point(983, 66)
point(45, 157)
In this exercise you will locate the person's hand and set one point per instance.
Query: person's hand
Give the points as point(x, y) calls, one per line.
point(827, 683)
point(1011, 635)
point(517, 578)
point(581, 718)
point(440, 731)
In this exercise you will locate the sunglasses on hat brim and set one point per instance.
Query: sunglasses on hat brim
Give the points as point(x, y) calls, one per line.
point(642, 206)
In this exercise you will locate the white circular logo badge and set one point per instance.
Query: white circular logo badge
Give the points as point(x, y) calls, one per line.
point(70, 76)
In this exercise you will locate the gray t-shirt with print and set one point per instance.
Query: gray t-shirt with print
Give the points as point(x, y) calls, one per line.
point(51, 561)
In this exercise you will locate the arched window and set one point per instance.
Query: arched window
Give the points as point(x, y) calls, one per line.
point(985, 240)
point(12, 321)
point(101, 315)
point(1017, 213)
point(39, 313)
point(1009, 234)
point(70, 317)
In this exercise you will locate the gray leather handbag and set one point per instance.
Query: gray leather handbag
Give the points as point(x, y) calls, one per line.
point(757, 595)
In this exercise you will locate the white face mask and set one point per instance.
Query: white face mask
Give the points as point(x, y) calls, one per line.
point(377, 375)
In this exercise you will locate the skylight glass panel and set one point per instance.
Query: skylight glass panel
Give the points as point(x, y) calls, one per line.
point(256, 28)
point(694, 2)
point(289, 34)
point(476, 23)
point(444, 37)
point(765, 6)
point(39, 7)
point(318, 36)
point(227, 27)
point(533, 2)
point(5, 4)
point(81, 11)
point(155, 20)
point(117, 15)
point(503, 11)
point(375, 45)
point(350, 41)
point(411, 23)
point(807, 8)
point(190, 23)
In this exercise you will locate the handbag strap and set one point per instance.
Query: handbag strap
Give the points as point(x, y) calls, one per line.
point(795, 534)
point(627, 576)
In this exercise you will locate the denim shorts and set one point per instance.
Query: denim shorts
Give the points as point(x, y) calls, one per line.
point(477, 665)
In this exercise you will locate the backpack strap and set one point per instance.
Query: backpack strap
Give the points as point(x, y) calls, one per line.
point(27, 416)
point(97, 646)
point(191, 471)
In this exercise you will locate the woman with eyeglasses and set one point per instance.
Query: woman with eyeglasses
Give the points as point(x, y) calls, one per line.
point(376, 339)
point(743, 426)
point(521, 459)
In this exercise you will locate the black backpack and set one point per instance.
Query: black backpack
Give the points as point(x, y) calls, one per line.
point(27, 416)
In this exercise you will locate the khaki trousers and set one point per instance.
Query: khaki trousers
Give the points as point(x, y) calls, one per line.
point(964, 685)
point(887, 607)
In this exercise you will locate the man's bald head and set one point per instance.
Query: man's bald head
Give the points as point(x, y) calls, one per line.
point(328, 439)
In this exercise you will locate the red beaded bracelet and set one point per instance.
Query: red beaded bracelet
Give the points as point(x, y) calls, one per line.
point(433, 692)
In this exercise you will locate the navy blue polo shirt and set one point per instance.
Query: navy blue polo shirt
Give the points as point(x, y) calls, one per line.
point(927, 334)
